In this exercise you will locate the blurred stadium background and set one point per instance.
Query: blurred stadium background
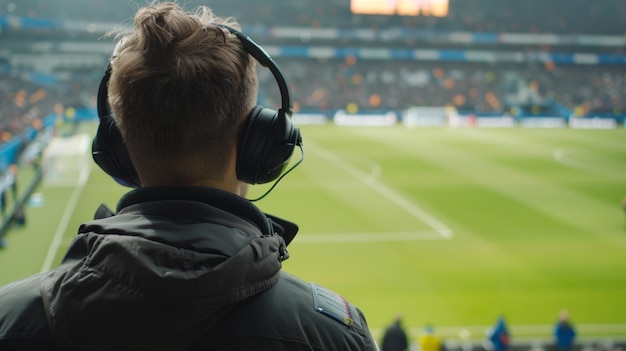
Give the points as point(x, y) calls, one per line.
point(465, 159)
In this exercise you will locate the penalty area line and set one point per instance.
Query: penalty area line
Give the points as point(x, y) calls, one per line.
point(386, 192)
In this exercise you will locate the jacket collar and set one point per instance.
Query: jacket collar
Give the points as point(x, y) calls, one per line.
point(268, 224)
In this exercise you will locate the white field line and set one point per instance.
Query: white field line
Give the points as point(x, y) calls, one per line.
point(67, 214)
point(561, 156)
point(374, 237)
point(376, 169)
point(386, 192)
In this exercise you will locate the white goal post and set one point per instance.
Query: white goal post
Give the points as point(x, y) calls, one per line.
point(428, 116)
point(66, 160)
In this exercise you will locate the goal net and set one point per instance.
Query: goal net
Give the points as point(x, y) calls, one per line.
point(66, 160)
point(428, 116)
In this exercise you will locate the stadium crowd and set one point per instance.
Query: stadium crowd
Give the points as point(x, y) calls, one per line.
point(364, 85)
point(356, 84)
point(470, 87)
point(25, 101)
point(22, 104)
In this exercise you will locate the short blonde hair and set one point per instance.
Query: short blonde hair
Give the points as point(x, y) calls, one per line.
point(179, 90)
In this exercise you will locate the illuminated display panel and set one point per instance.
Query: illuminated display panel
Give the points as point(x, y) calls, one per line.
point(437, 8)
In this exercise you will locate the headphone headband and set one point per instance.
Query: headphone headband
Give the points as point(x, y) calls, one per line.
point(263, 58)
point(263, 151)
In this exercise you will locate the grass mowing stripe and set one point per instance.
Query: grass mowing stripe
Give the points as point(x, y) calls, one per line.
point(527, 186)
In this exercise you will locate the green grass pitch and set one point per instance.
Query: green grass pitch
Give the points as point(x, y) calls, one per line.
point(447, 226)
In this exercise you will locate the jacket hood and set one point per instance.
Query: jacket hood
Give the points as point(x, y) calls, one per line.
point(162, 271)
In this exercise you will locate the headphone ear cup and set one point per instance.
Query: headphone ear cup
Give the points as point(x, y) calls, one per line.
point(110, 154)
point(108, 149)
point(266, 146)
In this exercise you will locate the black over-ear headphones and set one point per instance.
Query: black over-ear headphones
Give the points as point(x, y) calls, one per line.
point(264, 150)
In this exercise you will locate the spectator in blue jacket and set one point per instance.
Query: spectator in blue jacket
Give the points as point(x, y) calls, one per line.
point(564, 333)
point(499, 337)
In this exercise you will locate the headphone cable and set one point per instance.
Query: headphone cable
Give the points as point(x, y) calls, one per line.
point(282, 176)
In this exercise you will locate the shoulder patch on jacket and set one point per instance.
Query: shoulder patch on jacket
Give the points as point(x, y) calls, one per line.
point(331, 305)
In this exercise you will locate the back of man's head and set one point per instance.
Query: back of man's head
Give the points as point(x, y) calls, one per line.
point(180, 88)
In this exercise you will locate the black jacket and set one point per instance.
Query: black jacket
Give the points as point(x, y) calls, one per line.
point(178, 269)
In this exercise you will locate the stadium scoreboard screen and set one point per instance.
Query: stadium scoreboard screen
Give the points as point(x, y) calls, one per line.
point(437, 8)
